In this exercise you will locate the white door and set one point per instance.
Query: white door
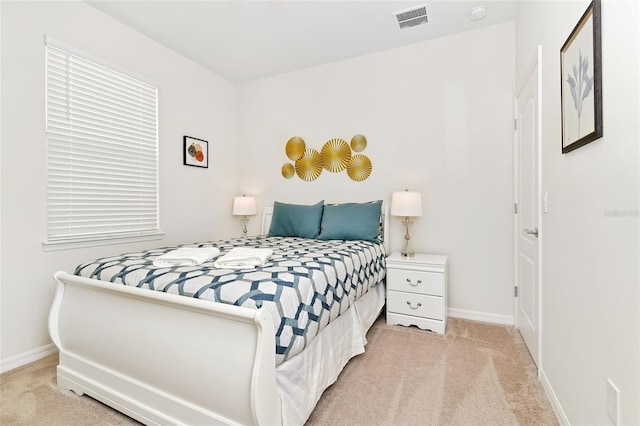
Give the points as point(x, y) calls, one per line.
point(527, 224)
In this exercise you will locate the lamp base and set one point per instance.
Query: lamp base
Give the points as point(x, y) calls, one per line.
point(245, 220)
point(407, 250)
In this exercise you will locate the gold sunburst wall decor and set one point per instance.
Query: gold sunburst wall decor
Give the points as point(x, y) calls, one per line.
point(359, 167)
point(358, 143)
point(309, 166)
point(335, 156)
point(295, 148)
point(288, 170)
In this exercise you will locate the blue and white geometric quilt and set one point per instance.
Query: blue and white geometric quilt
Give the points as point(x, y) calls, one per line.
point(304, 285)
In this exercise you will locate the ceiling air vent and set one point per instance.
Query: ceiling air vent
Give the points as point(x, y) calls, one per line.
point(413, 17)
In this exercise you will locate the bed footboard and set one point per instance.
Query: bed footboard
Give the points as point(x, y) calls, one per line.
point(162, 358)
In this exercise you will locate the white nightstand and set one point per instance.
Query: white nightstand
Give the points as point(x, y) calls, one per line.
point(417, 291)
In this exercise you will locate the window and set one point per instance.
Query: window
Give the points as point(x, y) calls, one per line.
point(102, 153)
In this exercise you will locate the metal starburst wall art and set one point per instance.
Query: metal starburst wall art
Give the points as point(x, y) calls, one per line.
point(335, 156)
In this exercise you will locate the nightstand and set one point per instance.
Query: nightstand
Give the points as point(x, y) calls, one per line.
point(417, 291)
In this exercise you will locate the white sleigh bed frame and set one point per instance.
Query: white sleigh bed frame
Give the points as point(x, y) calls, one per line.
point(145, 354)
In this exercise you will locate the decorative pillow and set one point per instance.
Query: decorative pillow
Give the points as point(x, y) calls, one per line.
point(351, 221)
point(293, 220)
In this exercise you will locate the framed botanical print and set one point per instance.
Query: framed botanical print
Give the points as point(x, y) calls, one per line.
point(581, 81)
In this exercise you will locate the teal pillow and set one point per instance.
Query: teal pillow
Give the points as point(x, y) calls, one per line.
point(293, 220)
point(351, 221)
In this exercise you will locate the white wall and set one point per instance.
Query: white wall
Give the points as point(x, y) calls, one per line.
point(195, 203)
point(591, 257)
point(437, 116)
point(438, 119)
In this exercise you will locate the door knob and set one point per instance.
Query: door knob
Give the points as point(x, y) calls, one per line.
point(533, 231)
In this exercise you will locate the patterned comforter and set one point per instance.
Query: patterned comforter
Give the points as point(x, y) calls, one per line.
point(305, 284)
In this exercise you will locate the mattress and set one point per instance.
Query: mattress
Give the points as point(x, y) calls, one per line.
point(305, 285)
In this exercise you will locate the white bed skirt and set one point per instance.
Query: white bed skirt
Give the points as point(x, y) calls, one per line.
point(302, 379)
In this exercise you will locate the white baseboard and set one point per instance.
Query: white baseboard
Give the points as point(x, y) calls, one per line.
point(27, 357)
point(553, 399)
point(481, 316)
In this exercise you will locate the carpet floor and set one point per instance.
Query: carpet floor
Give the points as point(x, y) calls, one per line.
point(477, 374)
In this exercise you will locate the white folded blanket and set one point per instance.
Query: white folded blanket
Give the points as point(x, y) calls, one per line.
point(186, 256)
point(243, 258)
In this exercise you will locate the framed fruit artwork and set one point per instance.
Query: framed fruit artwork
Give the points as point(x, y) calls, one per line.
point(195, 152)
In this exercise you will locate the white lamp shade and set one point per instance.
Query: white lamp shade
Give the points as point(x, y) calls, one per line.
point(406, 203)
point(244, 206)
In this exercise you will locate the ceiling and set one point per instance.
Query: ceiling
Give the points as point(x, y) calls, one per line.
point(246, 40)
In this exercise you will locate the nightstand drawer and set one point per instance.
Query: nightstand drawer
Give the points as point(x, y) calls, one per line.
point(416, 304)
point(416, 281)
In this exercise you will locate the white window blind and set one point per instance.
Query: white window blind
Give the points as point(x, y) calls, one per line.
point(102, 151)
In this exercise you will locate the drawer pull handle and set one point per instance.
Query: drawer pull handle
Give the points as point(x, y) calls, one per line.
point(411, 282)
point(412, 307)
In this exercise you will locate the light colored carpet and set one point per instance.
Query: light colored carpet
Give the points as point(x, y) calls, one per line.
point(478, 374)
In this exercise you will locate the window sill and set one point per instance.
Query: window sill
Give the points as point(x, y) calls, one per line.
point(75, 244)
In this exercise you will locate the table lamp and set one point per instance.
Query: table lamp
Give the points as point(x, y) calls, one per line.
point(244, 206)
point(407, 204)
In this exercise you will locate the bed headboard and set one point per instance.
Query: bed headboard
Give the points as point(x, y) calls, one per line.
point(267, 214)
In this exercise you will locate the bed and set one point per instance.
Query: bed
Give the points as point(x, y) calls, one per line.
point(163, 358)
